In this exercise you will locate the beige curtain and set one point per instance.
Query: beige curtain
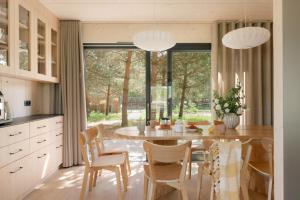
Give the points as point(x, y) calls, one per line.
point(253, 68)
point(73, 95)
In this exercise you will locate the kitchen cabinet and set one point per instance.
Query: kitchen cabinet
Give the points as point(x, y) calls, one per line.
point(28, 41)
point(6, 37)
point(32, 154)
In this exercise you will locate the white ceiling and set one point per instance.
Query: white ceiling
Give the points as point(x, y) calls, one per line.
point(159, 10)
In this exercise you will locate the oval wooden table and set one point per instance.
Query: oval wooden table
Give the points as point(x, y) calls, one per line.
point(170, 137)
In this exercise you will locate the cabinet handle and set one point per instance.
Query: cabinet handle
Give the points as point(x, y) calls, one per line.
point(39, 142)
point(12, 153)
point(59, 146)
point(42, 156)
point(16, 170)
point(18, 133)
point(59, 134)
point(39, 127)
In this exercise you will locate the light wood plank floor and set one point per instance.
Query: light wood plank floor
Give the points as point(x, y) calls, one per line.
point(66, 183)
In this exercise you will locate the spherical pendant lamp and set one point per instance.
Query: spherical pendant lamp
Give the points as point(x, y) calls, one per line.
point(154, 40)
point(246, 38)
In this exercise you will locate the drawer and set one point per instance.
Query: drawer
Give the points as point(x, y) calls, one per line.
point(40, 127)
point(39, 142)
point(56, 135)
point(57, 122)
point(13, 134)
point(18, 150)
point(4, 156)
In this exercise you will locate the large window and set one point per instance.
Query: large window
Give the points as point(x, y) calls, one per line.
point(125, 84)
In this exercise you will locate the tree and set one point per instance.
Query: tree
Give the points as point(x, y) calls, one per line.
point(126, 89)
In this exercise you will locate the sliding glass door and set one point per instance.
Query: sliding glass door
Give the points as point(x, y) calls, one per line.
point(125, 84)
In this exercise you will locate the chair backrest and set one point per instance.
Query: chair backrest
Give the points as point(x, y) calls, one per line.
point(268, 146)
point(92, 134)
point(168, 154)
point(100, 138)
point(83, 147)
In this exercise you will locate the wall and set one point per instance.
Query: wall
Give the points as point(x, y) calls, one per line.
point(16, 91)
point(124, 32)
point(286, 99)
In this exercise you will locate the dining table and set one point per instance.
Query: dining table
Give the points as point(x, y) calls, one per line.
point(170, 137)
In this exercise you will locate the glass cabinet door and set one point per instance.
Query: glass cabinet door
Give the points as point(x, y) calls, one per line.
point(4, 23)
point(24, 39)
point(54, 53)
point(41, 37)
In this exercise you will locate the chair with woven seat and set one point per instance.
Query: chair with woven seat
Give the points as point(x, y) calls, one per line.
point(167, 165)
point(113, 163)
point(263, 165)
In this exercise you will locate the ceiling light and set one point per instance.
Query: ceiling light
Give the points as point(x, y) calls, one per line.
point(154, 40)
point(246, 38)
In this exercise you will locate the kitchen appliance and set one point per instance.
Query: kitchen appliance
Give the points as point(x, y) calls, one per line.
point(5, 114)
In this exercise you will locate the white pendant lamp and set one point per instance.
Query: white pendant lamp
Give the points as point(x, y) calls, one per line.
point(154, 40)
point(246, 37)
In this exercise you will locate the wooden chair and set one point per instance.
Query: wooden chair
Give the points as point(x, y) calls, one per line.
point(110, 162)
point(100, 145)
point(263, 162)
point(205, 168)
point(203, 149)
point(166, 164)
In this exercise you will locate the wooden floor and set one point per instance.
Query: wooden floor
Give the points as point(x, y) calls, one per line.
point(66, 183)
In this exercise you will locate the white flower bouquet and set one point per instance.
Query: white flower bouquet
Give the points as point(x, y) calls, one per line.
point(232, 102)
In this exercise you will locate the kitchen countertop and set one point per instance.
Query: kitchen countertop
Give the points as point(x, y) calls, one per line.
point(23, 120)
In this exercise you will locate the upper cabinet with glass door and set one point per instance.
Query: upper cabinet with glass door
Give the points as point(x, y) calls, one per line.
point(54, 54)
point(6, 39)
point(24, 39)
point(41, 44)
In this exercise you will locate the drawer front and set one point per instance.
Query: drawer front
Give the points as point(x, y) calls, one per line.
point(57, 122)
point(4, 156)
point(19, 133)
point(4, 132)
point(39, 142)
point(40, 127)
point(58, 152)
point(56, 135)
point(18, 150)
point(41, 160)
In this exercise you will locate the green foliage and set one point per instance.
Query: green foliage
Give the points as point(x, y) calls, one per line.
point(97, 116)
point(232, 102)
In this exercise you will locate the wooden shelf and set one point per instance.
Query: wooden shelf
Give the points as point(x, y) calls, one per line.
point(3, 46)
point(53, 44)
point(3, 42)
point(23, 50)
point(41, 57)
point(41, 37)
point(23, 26)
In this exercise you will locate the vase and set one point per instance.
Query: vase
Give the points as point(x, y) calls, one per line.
point(231, 120)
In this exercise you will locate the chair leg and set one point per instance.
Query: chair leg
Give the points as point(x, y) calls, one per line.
point(145, 188)
point(117, 172)
point(270, 188)
point(124, 176)
point(184, 193)
point(199, 181)
point(152, 190)
point(91, 180)
point(84, 182)
point(128, 164)
point(190, 166)
point(95, 177)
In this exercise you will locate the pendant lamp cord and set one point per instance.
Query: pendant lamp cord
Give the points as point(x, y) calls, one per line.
point(245, 13)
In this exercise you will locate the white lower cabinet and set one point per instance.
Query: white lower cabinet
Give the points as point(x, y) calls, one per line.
point(30, 156)
point(16, 179)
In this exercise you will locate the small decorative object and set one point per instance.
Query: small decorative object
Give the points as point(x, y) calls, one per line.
point(152, 124)
point(230, 107)
point(141, 126)
point(165, 123)
point(179, 126)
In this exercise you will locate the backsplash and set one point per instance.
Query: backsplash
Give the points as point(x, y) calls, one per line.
point(17, 91)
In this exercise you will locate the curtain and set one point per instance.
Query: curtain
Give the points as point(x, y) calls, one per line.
point(253, 68)
point(72, 90)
